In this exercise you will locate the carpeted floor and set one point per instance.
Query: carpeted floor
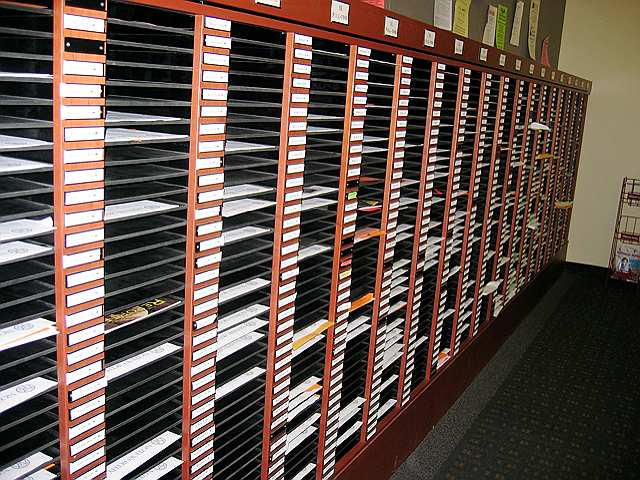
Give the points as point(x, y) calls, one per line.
point(560, 400)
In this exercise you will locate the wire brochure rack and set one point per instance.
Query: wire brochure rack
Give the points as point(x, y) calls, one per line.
point(242, 240)
point(624, 263)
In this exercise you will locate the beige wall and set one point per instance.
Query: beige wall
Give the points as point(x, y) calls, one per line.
point(550, 22)
point(601, 42)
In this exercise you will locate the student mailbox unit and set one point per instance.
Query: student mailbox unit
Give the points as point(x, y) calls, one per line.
point(260, 239)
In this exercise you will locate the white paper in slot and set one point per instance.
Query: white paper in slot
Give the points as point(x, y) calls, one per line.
point(537, 126)
point(161, 469)
point(10, 164)
point(24, 228)
point(26, 332)
point(13, 251)
point(239, 381)
point(127, 117)
point(24, 391)
point(125, 465)
point(139, 136)
point(122, 368)
point(312, 250)
point(243, 190)
point(230, 321)
point(40, 475)
point(230, 335)
point(237, 207)
point(9, 142)
point(235, 291)
point(133, 209)
point(26, 466)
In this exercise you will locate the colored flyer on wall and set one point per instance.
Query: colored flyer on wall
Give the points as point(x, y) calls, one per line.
point(461, 18)
point(627, 264)
point(501, 28)
point(534, 15)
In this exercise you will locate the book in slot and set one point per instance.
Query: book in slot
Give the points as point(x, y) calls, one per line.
point(139, 312)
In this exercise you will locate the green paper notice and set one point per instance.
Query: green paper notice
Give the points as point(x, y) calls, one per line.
point(501, 27)
point(352, 195)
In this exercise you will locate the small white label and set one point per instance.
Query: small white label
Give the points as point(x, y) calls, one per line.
point(302, 39)
point(217, 42)
point(84, 196)
point(459, 46)
point(518, 64)
point(215, 76)
point(217, 24)
point(84, 372)
point(502, 60)
point(214, 94)
point(483, 54)
point(87, 24)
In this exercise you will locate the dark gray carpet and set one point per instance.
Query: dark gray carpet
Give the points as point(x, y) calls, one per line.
point(560, 400)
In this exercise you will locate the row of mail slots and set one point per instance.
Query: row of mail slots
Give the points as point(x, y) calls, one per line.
point(235, 252)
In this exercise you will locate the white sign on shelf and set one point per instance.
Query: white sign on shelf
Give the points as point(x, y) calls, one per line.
point(391, 26)
point(270, 3)
point(459, 46)
point(340, 12)
point(429, 38)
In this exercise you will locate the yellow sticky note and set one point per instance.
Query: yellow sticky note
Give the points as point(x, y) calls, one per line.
point(461, 17)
